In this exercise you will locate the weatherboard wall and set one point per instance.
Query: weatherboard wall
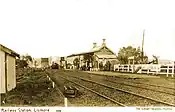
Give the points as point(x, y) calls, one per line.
point(11, 73)
point(2, 72)
point(7, 72)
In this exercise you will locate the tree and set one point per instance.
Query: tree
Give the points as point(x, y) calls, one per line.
point(21, 63)
point(155, 60)
point(35, 63)
point(113, 62)
point(26, 57)
point(126, 52)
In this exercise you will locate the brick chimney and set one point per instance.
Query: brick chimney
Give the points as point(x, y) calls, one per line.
point(94, 45)
point(104, 42)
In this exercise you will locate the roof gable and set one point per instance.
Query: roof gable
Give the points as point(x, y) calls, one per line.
point(105, 49)
point(97, 48)
point(102, 48)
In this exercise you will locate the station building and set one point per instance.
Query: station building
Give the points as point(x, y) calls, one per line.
point(93, 58)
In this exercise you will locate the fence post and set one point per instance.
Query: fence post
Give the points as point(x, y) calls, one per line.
point(172, 70)
point(65, 102)
point(141, 68)
point(157, 69)
point(148, 69)
point(167, 71)
point(53, 84)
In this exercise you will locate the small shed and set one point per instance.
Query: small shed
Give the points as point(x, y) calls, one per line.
point(7, 69)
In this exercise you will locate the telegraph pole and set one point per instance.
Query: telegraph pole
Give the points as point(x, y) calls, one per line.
point(142, 55)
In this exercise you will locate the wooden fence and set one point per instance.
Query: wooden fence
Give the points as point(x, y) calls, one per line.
point(155, 69)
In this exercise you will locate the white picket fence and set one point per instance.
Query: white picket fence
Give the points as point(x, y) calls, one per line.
point(155, 69)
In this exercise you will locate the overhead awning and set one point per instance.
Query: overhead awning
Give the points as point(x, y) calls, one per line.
point(132, 57)
point(107, 56)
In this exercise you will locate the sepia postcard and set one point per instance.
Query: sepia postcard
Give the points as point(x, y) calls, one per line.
point(81, 55)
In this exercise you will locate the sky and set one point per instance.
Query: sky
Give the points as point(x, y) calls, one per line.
point(45, 28)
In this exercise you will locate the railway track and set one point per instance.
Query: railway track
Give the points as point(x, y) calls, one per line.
point(124, 91)
point(155, 90)
point(74, 100)
point(153, 85)
point(106, 97)
point(168, 91)
point(127, 82)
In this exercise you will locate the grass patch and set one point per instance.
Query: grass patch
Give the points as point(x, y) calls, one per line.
point(33, 89)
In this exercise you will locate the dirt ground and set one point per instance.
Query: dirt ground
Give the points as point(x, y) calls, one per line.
point(33, 89)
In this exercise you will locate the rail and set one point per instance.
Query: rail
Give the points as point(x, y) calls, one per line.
point(154, 85)
point(106, 97)
point(118, 89)
point(66, 102)
point(143, 88)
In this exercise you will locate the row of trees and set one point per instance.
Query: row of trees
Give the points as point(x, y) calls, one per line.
point(126, 52)
point(23, 61)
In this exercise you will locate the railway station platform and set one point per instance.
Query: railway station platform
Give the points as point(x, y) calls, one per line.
point(124, 75)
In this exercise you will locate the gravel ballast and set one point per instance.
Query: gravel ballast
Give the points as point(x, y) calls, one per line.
point(84, 97)
point(144, 92)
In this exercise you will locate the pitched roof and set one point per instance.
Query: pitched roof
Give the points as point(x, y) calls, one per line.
point(9, 51)
point(97, 48)
point(91, 51)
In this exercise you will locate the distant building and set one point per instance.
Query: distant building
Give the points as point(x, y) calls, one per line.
point(63, 62)
point(7, 69)
point(93, 58)
point(55, 59)
point(41, 62)
point(163, 61)
point(44, 62)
